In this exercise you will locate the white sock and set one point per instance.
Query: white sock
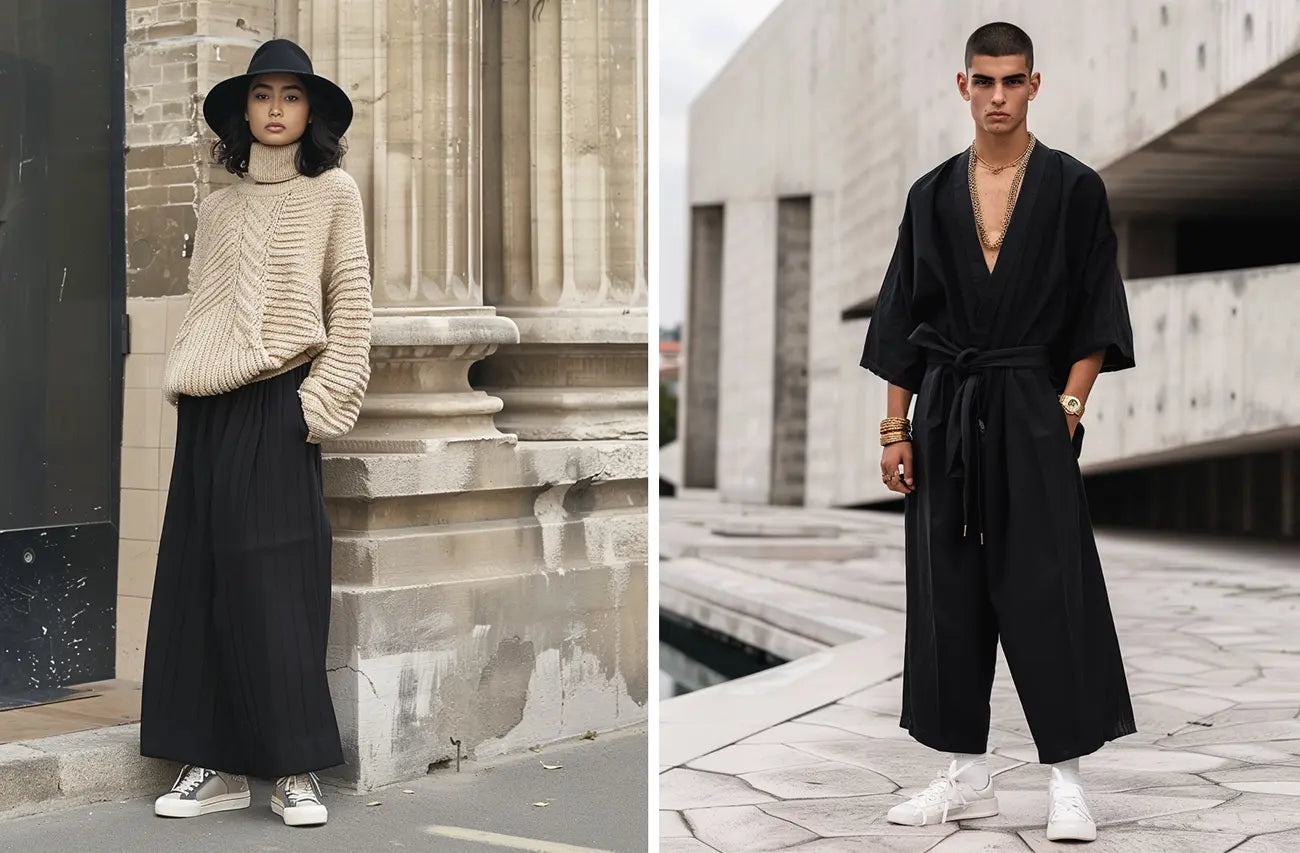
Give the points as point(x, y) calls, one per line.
point(1070, 771)
point(972, 769)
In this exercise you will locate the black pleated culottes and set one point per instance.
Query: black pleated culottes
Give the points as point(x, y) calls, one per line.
point(234, 670)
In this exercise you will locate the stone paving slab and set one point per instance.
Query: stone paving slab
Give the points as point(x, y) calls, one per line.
point(823, 779)
point(1282, 842)
point(1128, 840)
point(853, 816)
point(1213, 657)
point(867, 844)
point(745, 828)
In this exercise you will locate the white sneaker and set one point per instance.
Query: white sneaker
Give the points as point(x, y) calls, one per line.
point(1068, 818)
point(199, 791)
point(297, 799)
point(947, 798)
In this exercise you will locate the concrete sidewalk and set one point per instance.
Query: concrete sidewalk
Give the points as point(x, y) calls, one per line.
point(597, 802)
point(1211, 640)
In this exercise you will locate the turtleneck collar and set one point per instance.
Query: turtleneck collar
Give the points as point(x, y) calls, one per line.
point(273, 164)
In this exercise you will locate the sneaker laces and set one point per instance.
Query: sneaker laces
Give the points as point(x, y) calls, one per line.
point(299, 787)
point(1067, 802)
point(942, 789)
point(190, 779)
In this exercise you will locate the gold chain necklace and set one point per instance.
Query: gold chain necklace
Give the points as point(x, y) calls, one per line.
point(999, 169)
point(1011, 195)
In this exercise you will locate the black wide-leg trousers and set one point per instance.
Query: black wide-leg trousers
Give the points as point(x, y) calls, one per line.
point(234, 671)
point(1036, 586)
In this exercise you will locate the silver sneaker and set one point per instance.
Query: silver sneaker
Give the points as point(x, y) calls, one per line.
point(947, 798)
point(199, 791)
point(297, 799)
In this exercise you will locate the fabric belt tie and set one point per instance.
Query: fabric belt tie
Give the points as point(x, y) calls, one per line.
point(965, 425)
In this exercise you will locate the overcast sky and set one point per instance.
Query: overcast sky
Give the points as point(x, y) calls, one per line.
point(696, 38)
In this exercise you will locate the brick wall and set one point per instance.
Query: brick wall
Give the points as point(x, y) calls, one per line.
point(174, 53)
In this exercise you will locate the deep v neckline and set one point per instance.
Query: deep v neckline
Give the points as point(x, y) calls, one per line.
point(1014, 226)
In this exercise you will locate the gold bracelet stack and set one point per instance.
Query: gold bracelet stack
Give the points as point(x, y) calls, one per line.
point(894, 430)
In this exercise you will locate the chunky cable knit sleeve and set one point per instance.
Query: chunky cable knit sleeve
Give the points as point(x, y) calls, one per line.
point(202, 239)
point(331, 394)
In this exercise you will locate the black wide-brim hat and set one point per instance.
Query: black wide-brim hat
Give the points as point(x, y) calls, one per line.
point(328, 102)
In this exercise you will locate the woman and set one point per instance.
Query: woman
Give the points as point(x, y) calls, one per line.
point(271, 359)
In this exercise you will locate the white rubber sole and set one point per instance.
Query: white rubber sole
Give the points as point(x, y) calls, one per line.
point(984, 808)
point(1072, 832)
point(166, 806)
point(301, 815)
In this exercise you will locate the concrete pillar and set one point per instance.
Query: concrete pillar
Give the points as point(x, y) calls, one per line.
point(567, 250)
point(701, 351)
point(487, 590)
point(790, 372)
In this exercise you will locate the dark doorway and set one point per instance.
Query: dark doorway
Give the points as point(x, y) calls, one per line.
point(62, 304)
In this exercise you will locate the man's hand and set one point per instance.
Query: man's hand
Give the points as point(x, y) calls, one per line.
point(894, 457)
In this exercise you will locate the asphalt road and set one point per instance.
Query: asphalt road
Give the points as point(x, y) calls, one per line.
point(597, 802)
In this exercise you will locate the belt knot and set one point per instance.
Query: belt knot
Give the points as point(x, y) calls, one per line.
point(965, 361)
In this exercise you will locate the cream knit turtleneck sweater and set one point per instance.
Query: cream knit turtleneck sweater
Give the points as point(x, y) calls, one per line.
point(280, 276)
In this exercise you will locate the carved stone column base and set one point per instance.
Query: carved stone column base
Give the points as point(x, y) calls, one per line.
point(576, 375)
point(419, 382)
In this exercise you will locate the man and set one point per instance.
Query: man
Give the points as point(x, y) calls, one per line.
point(1000, 307)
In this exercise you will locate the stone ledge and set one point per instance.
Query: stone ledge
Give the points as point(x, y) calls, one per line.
point(719, 595)
point(475, 550)
point(566, 327)
point(468, 466)
point(748, 629)
point(430, 330)
point(76, 769)
point(702, 722)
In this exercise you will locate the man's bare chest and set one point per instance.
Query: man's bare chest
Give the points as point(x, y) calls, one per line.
point(995, 195)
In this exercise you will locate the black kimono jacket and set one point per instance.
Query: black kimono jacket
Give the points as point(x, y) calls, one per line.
point(999, 494)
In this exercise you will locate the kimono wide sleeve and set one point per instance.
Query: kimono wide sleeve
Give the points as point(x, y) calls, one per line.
point(887, 352)
point(1099, 318)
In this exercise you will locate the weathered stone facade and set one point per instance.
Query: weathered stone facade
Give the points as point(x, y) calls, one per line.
point(489, 509)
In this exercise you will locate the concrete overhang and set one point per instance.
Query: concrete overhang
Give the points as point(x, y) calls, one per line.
point(1240, 155)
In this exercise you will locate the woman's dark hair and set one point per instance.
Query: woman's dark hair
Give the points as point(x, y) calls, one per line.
point(320, 151)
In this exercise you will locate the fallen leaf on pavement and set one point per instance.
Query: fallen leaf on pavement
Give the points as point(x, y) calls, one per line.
point(589, 736)
point(534, 749)
point(375, 803)
point(541, 805)
point(407, 791)
point(551, 766)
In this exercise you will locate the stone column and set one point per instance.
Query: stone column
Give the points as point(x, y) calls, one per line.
point(412, 71)
point(566, 235)
point(481, 583)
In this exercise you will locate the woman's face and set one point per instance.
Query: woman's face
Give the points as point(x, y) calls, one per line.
point(277, 110)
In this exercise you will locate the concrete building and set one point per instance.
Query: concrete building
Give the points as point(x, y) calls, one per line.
point(801, 154)
point(489, 509)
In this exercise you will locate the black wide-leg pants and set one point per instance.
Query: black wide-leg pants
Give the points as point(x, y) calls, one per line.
point(1036, 586)
point(234, 671)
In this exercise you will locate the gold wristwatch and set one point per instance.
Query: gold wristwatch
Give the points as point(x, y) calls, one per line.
point(1072, 405)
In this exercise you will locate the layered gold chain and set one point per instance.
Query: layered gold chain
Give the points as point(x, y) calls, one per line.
point(1022, 163)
